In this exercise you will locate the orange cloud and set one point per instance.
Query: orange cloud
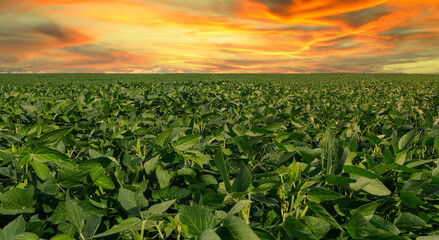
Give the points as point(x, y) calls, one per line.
point(219, 36)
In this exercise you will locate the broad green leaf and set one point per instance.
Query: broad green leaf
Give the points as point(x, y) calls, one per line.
point(41, 169)
point(123, 226)
point(18, 199)
point(196, 219)
point(163, 176)
point(381, 223)
point(186, 142)
point(162, 138)
point(360, 171)
point(151, 164)
point(408, 220)
point(238, 207)
point(367, 210)
point(243, 180)
point(97, 174)
point(45, 154)
point(26, 236)
point(208, 234)
point(294, 171)
point(128, 200)
point(432, 237)
point(13, 229)
point(321, 195)
point(62, 237)
point(159, 208)
point(329, 152)
point(53, 136)
point(263, 234)
point(336, 180)
point(376, 187)
point(235, 228)
point(72, 176)
point(405, 140)
point(222, 169)
point(387, 156)
point(359, 228)
point(318, 227)
point(400, 157)
point(323, 214)
point(74, 213)
point(92, 223)
point(410, 199)
point(295, 228)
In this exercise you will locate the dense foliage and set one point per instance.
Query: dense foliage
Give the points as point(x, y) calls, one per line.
point(219, 157)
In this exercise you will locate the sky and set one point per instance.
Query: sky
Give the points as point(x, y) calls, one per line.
point(219, 36)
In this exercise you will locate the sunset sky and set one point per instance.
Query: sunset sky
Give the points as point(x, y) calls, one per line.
point(161, 36)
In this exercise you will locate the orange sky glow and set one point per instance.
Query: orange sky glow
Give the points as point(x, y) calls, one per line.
point(239, 36)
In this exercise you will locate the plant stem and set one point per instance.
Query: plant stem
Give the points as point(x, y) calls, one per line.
point(143, 229)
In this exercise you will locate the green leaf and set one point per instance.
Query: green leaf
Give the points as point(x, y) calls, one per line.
point(121, 227)
point(376, 187)
point(400, 157)
point(186, 142)
point(159, 208)
point(62, 237)
point(45, 154)
point(405, 140)
point(196, 219)
point(53, 136)
point(238, 207)
point(295, 228)
point(432, 237)
point(294, 171)
point(97, 174)
point(318, 227)
point(72, 176)
point(243, 180)
point(329, 152)
point(360, 171)
point(41, 169)
point(321, 195)
point(359, 228)
point(163, 137)
point(408, 220)
point(208, 234)
point(367, 210)
point(18, 199)
point(92, 223)
point(163, 176)
point(151, 164)
point(26, 236)
point(128, 200)
point(13, 229)
point(410, 199)
point(380, 223)
point(236, 229)
point(222, 169)
point(336, 180)
point(74, 213)
point(263, 234)
point(387, 156)
point(322, 213)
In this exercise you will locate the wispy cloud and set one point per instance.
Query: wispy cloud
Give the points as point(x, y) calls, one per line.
point(155, 36)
